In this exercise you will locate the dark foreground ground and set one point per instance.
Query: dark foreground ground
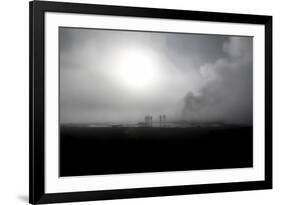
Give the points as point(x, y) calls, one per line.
point(92, 151)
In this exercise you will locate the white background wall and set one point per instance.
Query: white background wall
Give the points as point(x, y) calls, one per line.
point(14, 101)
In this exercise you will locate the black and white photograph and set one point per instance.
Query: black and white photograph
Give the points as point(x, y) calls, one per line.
point(132, 102)
point(142, 101)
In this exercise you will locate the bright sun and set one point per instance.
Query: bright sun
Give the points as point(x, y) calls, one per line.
point(136, 69)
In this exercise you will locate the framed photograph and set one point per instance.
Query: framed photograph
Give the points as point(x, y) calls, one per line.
point(140, 102)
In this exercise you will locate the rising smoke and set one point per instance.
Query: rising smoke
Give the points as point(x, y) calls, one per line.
point(226, 91)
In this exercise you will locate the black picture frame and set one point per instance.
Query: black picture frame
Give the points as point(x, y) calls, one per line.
point(37, 9)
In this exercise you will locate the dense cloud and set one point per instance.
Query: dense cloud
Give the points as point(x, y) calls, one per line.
point(226, 94)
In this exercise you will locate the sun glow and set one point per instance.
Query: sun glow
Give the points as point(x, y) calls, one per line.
point(136, 69)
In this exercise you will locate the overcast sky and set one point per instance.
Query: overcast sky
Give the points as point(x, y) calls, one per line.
point(121, 76)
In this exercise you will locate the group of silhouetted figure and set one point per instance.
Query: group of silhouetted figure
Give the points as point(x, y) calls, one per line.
point(148, 120)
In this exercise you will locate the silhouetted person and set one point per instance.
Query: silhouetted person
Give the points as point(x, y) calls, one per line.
point(146, 120)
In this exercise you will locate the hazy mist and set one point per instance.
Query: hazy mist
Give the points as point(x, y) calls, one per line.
point(122, 76)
